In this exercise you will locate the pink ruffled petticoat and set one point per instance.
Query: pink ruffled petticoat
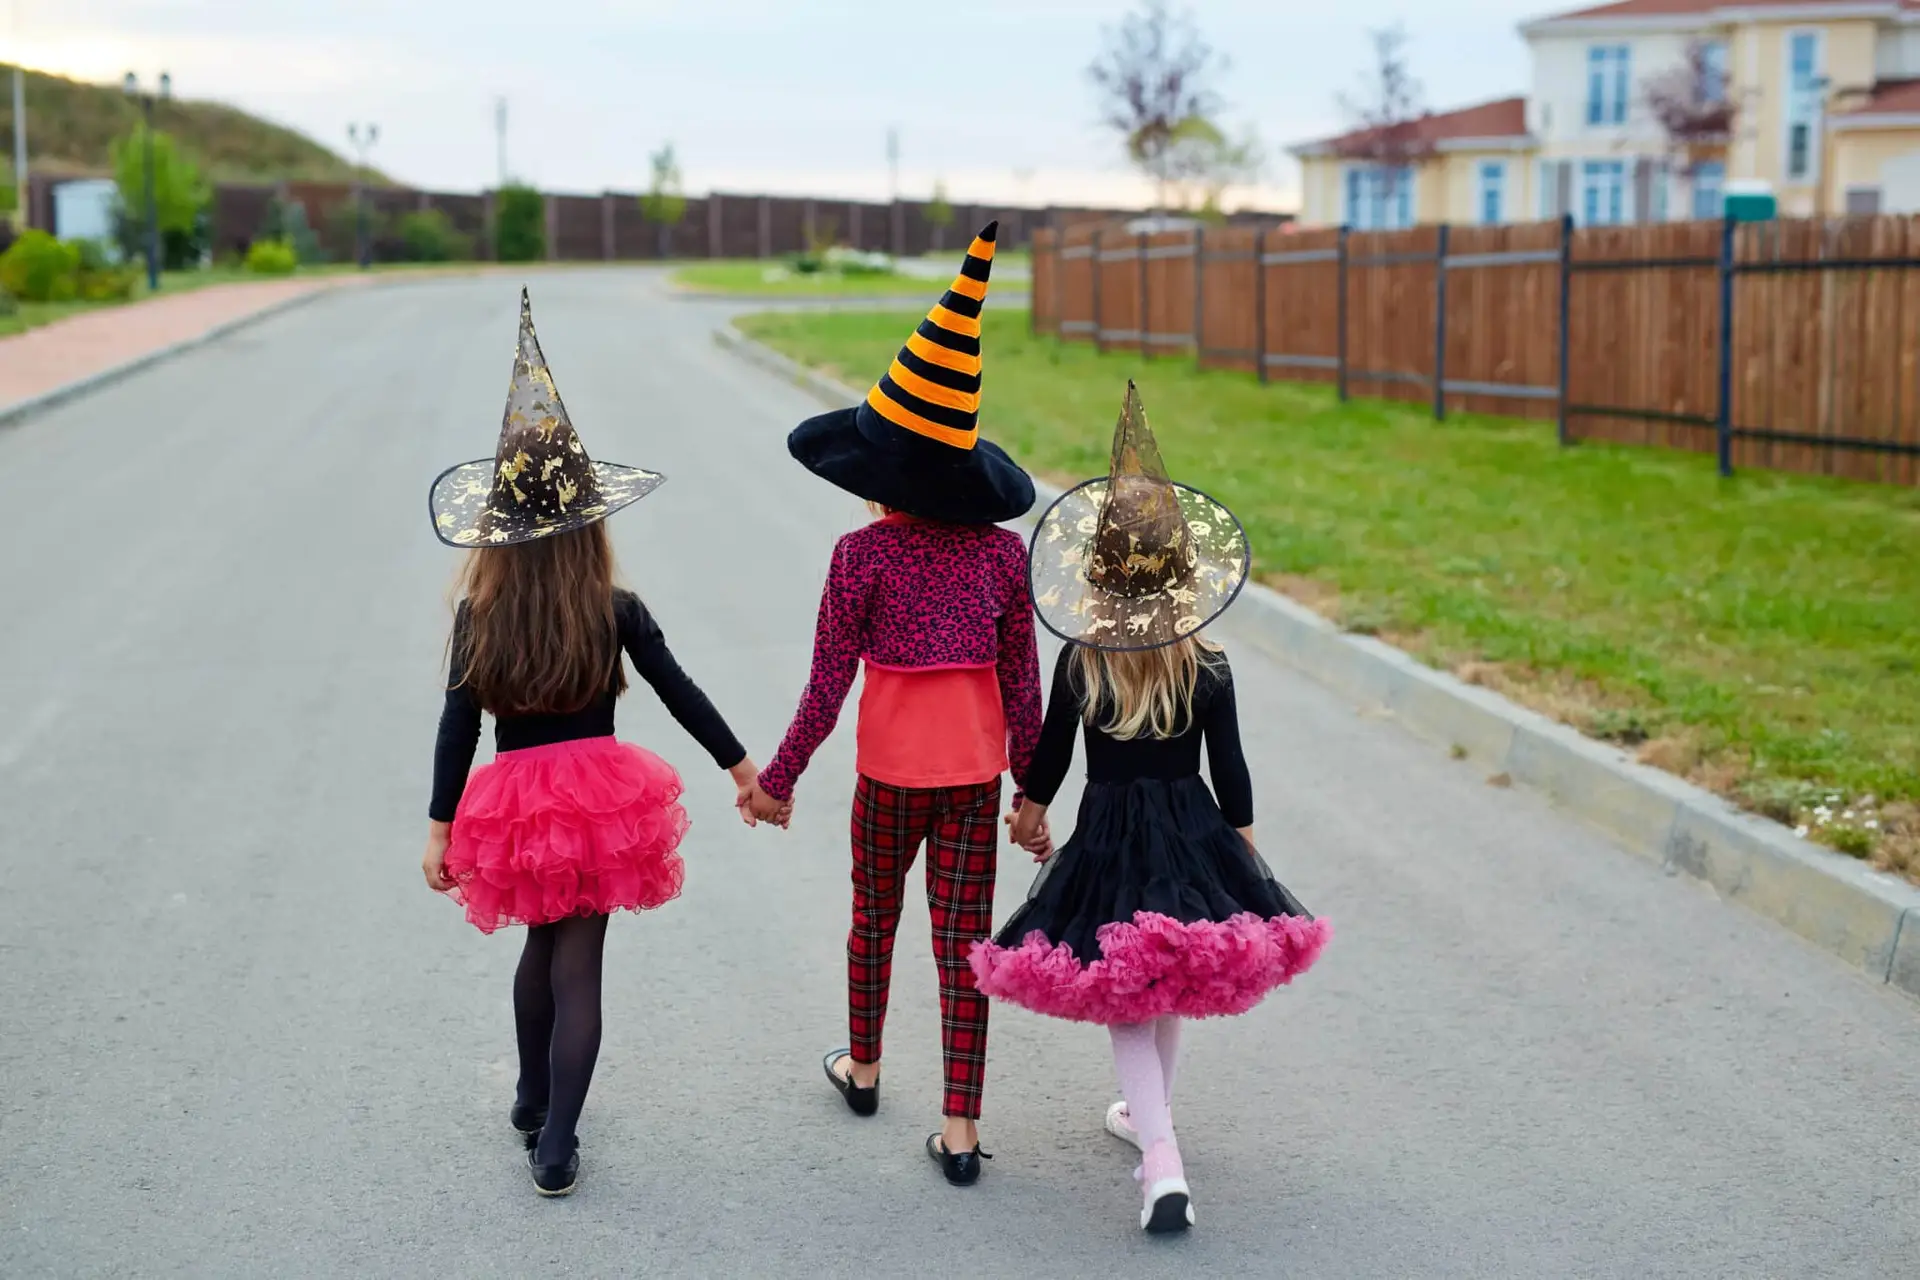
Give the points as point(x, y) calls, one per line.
point(1154, 966)
point(578, 828)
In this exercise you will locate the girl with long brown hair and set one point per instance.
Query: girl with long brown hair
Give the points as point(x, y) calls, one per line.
point(568, 824)
point(1159, 908)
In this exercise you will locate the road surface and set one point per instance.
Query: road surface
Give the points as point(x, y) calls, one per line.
point(239, 1038)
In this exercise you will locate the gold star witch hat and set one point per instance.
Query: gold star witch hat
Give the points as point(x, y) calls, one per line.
point(1135, 560)
point(540, 480)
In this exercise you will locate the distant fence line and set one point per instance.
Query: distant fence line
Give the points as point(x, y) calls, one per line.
point(1790, 345)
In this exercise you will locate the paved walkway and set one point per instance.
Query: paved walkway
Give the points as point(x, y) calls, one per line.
point(47, 358)
point(239, 1038)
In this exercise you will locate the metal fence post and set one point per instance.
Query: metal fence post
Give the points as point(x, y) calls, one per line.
point(1199, 295)
point(1099, 270)
point(1260, 303)
point(1440, 325)
point(1341, 316)
point(1140, 247)
point(1566, 316)
point(1723, 419)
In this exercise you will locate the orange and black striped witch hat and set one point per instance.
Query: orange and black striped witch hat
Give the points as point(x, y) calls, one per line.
point(914, 443)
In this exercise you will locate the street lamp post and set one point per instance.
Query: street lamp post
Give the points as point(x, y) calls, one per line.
point(147, 101)
point(362, 138)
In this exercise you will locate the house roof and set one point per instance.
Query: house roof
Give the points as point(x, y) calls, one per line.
point(1501, 121)
point(1891, 104)
point(1705, 8)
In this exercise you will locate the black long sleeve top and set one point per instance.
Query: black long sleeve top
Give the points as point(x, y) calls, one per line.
point(1216, 720)
point(640, 637)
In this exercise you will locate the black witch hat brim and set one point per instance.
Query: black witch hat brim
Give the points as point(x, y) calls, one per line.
point(459, 503)
point(1071, 606)
point(859, 451)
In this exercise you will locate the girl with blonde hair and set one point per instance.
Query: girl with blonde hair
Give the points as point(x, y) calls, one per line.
point(1159, 908)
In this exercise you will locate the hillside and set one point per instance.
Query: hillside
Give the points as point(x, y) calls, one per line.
point(71, 126)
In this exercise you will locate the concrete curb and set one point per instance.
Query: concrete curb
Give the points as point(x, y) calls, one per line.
point(22, 409)
point(1869, 920)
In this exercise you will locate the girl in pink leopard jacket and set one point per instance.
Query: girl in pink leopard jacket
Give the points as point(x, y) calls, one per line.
point(932, 597)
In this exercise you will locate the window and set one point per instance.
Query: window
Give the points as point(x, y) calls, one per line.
point(1379, 199)
point(1603, 193)
point(1709, 190)
point(1608, 67)
point(1659, 198)
point(1493, 185)
point(1713, 60)
point(1805, 87)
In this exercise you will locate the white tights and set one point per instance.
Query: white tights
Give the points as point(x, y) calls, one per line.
point(1145, 1056)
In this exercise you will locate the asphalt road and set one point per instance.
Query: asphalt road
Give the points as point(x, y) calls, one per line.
point(239, 1038)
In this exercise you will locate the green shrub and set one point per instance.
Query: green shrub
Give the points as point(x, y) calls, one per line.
point(519, 224)
point(38, 268)
point(9, 305)
point(808, 264)
point(107, 283)
point(272, 258)
point(429, 235)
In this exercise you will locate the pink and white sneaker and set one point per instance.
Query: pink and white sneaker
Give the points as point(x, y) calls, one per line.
point(1168, 1205)
point(1120, 1125)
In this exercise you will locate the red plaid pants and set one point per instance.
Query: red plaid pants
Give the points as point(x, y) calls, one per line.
point(960, 826)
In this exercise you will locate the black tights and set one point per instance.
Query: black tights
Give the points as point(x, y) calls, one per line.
point(556, 1015)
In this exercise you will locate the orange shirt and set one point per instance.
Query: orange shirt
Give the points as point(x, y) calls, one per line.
point(939, 728)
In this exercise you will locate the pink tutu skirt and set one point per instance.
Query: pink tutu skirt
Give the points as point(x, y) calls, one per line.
point(580, 828)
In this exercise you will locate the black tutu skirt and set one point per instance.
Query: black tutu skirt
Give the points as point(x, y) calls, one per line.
point(1155, 906)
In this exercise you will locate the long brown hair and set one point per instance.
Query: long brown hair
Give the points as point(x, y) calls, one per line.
point(541, 635)
point(1145, 694)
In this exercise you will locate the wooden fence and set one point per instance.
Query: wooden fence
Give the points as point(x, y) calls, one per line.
point(1783, 345)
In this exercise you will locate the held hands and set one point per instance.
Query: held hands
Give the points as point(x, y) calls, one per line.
point(434, 862)
point(754, 804)
point(1027, 826)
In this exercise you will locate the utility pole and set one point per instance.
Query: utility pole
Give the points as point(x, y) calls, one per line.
point(22, 204)
point(153, 208)
point(893, 164)
point(362, 140)
point(500, 135)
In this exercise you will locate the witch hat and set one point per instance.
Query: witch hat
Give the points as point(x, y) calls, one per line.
point(540, 480)
point(914, 443)
point(1135, 560)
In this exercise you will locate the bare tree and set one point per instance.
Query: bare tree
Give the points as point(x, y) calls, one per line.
point(1154, 75)
point(1204, 163)
point(1389, 115)
point(1693, 104)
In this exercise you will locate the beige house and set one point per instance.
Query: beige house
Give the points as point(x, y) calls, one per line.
point(1824, 96)
point(1478, 169)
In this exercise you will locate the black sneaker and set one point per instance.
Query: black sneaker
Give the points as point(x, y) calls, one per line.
point(553, 1180)
point(527, 1122)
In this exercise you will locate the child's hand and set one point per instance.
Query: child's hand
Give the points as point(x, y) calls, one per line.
point(756, 807)
point(434, 862)
point(1027, 826)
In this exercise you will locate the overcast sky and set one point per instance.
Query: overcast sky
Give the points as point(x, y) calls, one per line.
point(790, 96)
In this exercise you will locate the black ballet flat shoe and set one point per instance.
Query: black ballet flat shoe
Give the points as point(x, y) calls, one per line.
point(862, 1102)
point(961, 1167)
point(554, 1180)
point(527, 1122)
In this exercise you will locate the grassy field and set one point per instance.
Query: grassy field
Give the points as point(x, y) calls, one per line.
point(72, 125)
point(1759, 636)
point(770, 278)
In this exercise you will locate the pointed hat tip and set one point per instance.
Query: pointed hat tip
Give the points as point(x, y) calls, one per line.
point(991, 231)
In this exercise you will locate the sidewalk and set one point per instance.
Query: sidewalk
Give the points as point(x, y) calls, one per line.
point(43, 360)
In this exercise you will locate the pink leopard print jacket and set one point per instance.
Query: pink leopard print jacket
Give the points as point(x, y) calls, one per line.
point(919, 596)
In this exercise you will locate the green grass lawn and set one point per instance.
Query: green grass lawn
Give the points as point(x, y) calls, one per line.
point(1760, 636)
point(752, 279)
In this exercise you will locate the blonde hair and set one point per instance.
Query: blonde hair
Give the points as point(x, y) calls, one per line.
point(1146, 693)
